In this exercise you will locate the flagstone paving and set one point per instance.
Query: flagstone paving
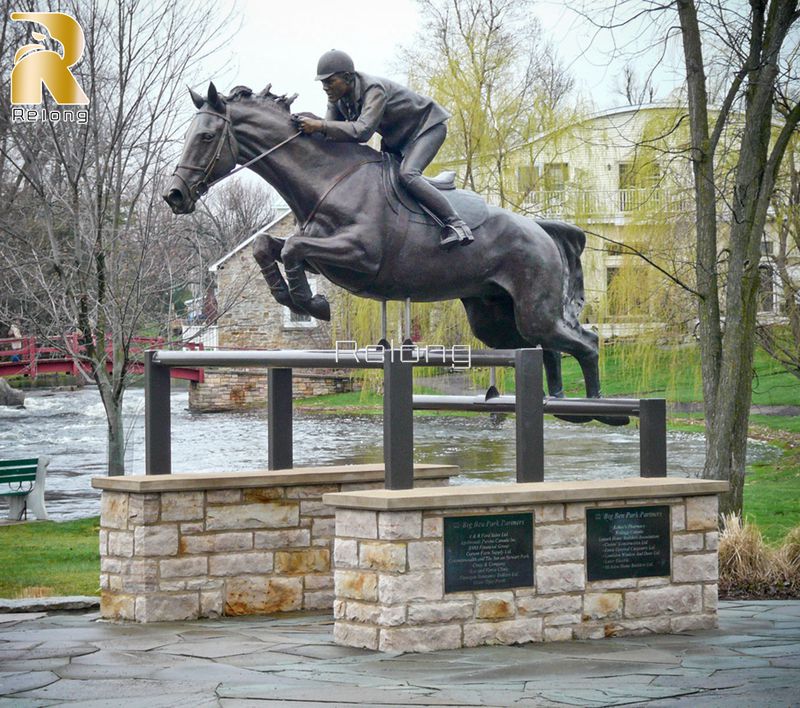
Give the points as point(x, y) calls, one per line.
point(52, 659)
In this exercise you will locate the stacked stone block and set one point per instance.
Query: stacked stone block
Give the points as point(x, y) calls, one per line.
point(176, 555)
point(389, 581)
point(244, 389)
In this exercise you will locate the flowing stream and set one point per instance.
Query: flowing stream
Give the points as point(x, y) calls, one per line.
point(70, 428)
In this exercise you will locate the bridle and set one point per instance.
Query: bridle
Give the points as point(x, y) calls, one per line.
point(202, 186)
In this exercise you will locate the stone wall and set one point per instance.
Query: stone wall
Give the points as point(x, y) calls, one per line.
point(246, 389)
point(175, 547)
point(389, 578)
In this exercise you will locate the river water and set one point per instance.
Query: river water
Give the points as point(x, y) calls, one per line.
point(70, 428)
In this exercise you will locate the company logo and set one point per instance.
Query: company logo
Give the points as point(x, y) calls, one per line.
point(35, 67)
point(459, 356)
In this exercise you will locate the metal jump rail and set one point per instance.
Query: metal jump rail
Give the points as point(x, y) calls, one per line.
point(528, 405)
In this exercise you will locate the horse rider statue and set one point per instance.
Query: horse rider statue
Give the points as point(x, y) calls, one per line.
point(411, 126)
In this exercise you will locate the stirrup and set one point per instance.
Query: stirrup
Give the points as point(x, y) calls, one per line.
point(456, 233)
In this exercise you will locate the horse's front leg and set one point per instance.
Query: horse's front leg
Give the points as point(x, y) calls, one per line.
point(267, 251)
point(293, 255)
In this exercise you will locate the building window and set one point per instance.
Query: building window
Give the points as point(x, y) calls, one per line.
point(555, 176)
point(611, 273)
point(527, 177)
point(639, 185)
point(292, 320)
point(766, 289)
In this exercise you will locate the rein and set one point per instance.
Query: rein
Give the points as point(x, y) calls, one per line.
point(257, 158)
point(344, 175)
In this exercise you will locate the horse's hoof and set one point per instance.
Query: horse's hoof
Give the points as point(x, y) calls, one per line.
point(573, 418)
point(613, 419)
point(318, 308)
point(283, 298)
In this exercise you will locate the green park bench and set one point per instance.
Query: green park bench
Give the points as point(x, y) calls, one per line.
point(22, 481)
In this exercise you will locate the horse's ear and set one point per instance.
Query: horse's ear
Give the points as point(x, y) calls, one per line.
point(197, 99)
point(213, 96)
point(265, 92)
point(288, 100)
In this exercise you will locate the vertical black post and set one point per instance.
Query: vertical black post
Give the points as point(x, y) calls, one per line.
point(398, 421)
point(653, 437)
point(530, 415)
point(157, 422)
point(279, 413)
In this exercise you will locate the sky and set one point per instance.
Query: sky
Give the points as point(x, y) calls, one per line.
point(280, 42)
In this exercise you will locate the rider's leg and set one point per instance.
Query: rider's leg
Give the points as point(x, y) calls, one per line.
point(416, 157)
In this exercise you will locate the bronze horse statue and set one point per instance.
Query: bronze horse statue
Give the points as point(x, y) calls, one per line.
point(521, 281)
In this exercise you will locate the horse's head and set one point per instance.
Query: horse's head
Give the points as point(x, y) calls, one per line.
point(210, 152)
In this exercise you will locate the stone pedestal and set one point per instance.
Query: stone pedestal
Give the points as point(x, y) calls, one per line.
point(389, 557)
point(182, 546)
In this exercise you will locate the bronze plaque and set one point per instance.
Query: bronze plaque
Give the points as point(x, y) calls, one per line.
point(488, 552)
point(627, 542)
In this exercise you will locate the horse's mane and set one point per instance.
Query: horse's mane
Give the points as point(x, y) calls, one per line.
point(271, 100)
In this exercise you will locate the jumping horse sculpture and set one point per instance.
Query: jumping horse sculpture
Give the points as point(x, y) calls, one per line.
point(521, 281)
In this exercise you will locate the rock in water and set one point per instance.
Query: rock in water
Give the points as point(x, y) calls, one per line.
point(10, 396)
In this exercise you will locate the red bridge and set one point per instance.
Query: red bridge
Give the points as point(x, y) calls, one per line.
point(25, 357)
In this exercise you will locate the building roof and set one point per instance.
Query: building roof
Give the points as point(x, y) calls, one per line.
point(607, 113)
point(282, 212)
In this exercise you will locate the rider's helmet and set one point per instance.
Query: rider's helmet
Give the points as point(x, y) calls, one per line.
point(334, 62)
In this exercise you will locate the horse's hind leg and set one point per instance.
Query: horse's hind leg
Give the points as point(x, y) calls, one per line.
point(492, 321)
point(582, 344)
point(552, 367)
point(266, 251)
point(552, 370)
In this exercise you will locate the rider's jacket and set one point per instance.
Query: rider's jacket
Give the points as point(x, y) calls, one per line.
point(382, 106)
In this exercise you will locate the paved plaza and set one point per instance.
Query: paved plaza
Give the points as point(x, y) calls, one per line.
point(753, 659)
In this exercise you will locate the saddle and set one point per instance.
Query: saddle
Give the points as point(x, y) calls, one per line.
point(468, 205)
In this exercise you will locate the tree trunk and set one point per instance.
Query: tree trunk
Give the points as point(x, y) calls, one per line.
point(116, 440)
point(112, 402)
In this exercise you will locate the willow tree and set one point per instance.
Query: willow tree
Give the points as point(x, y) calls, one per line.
point(781, 338)
point(486, 62)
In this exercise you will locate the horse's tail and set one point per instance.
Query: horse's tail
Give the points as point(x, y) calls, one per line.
point(570, 241)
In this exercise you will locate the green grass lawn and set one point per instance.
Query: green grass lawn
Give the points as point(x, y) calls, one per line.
point(772, 496)
point(673, 374)
point(50, 558)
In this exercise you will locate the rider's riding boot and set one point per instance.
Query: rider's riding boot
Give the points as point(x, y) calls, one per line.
point(315, 305)
point(455, 232)
point(278, 288)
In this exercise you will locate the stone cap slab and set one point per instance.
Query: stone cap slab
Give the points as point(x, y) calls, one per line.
point(297, 476)
point(528, 493)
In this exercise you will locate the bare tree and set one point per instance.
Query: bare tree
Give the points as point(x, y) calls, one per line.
point(633, 89)
point(227, 216)
point(90, 244)
point(736, 153)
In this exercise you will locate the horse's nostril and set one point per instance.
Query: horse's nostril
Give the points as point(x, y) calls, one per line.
point(174, 197)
